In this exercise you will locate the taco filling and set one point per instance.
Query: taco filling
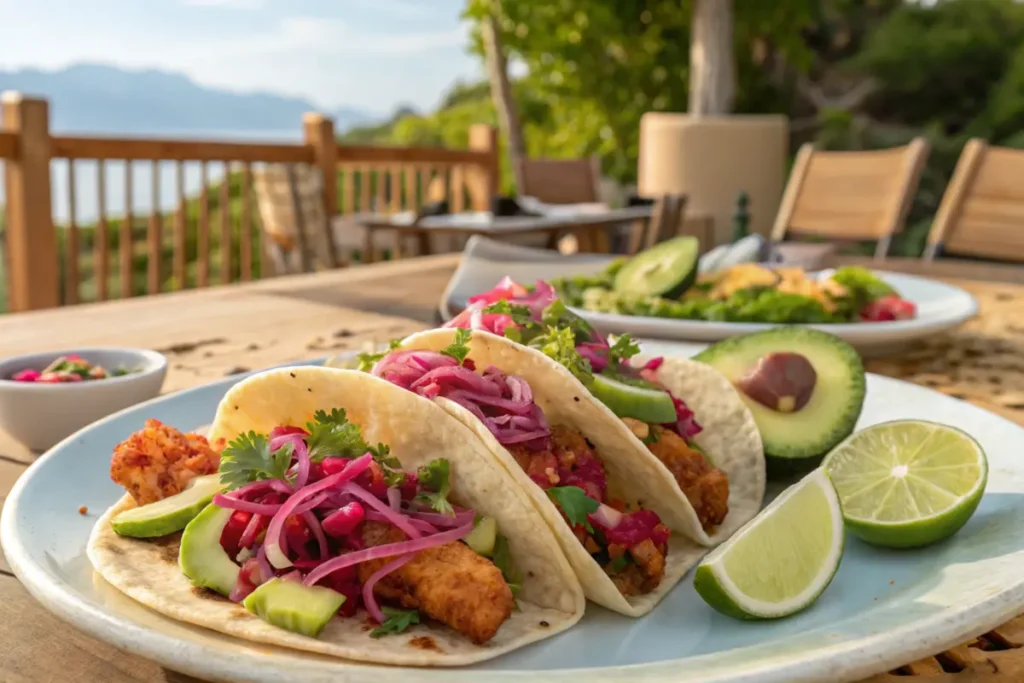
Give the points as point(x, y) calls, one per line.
point(630, 545)
point(538, 319)
point(316, 513)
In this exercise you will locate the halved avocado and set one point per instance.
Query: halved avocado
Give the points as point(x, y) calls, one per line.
point(665, 270)
point(797, 431)
point(201, 557)
point(170, 514)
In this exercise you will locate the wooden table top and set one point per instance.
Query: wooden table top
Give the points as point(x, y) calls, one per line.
point(208, 334)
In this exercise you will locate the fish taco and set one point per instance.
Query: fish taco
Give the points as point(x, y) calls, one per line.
point(288, 526)
point(702, 451)
point(601, 500)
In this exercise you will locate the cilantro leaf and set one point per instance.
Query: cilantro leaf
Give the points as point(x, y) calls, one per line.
point(398, 620)
point(390, 465)
point(559, 345)
point(459, 348)
point(248, 458)
point(557, 315)
point(575, 503)
point(332, 435)
point(435, 476)
point(368, 360)
point(622, 350)
point(520, 314)
point(502, 558)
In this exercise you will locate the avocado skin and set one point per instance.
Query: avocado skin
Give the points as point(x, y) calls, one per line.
point(783, 456)
point(684, 283)
point(201, 557)
point(293, 606)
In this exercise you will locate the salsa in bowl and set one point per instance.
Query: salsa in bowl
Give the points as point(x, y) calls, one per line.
point(49, 395)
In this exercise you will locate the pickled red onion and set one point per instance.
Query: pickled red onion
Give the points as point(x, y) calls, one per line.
point(392, 516)
point(386, 550)
point(369, 599)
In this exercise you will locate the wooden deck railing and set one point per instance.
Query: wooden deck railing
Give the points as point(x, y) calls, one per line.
point(213, 237)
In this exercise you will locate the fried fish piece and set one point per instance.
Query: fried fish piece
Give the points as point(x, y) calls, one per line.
point(159, 461)
point(448, 583)
point(706, 487)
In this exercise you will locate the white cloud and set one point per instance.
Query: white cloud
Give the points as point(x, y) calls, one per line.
point(400, 8)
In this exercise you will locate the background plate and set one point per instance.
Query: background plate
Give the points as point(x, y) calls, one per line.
point(485, 262)
point(883, 609)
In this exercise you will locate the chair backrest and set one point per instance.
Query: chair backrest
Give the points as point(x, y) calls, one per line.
point(665, 223)
point(846, 196)
point(290, 200)
point(982, 210)
point(560, 181)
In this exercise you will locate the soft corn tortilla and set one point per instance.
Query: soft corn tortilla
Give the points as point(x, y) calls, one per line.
point(730, 437)
point(551, 599)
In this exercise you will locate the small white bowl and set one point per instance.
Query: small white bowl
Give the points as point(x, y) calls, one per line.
point(40, 415)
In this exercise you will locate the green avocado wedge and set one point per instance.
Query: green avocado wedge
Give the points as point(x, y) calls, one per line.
point(201, 557)
point(795, 440)
point(293, 606)
point(665, 270)
point(627, 399)
point(170, 514)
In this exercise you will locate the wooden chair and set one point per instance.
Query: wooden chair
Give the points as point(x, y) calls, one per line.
point(665, 223)
point(981, 214)
point(302, 238)
point(851, 196)
point(560, 181)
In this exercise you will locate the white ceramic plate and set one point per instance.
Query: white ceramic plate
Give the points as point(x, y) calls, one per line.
point(940, 306)
point(884, 609)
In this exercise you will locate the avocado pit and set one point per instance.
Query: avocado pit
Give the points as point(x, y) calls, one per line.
point(782, 381)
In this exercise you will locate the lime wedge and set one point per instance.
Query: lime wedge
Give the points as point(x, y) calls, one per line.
point(780, 561)
point(908, 483)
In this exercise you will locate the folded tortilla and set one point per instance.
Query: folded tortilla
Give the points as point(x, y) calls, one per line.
point(551, 599)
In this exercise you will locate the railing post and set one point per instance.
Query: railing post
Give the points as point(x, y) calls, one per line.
point(318, 132)
point(484, 181)
point(34, 264)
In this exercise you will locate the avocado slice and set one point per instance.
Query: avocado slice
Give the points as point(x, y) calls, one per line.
point(293, 606)
point(801, 428)
point(633, 398)
point(665, 270)
point(170, 514)
point(481, 539)
point(201, 557)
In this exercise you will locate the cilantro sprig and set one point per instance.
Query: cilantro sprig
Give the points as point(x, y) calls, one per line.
point(435, 478)
point(331, 435)
point(248, 458)
point(520, 314)
point(559, 344)
point(459, 348)
point(398, 620)
point(575, 503)
point(368, 360)
point(622, 349)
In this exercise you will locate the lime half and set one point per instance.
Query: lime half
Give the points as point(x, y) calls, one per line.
point(908, 483)
point(780, 561)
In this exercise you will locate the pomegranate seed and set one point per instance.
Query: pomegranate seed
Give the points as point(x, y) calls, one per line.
point(344, 521)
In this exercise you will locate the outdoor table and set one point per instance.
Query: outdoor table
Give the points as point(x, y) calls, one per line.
point(211, 333)
point(591, 226)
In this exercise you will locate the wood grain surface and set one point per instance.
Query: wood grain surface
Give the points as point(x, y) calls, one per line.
point(213, 333)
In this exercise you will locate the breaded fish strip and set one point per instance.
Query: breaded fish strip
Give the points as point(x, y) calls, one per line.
point(449, 583)
point(706, 487)
point(159, 461)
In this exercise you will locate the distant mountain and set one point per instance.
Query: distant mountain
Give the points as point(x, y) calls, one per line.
point(95, 98)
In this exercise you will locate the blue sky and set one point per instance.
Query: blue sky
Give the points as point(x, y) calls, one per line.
point(371, 54)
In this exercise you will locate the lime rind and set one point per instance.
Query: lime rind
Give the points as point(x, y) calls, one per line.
point(931, 511)
point(721, 591)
